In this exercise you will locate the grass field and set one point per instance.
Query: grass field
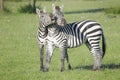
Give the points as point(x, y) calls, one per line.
point(19, 53)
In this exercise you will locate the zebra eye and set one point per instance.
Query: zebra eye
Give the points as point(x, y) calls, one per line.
point(42, 16)
point(52, 19)
point(56, 18)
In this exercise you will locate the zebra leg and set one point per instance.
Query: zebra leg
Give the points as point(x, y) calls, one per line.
point(49, 52)
point(88, 45)
point(67, 59)
point(97, 57)
point(95, 49)
point(41, 47)
point(97, 60)
point(63, 55)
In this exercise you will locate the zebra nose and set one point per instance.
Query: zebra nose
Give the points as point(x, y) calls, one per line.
point(52, 19)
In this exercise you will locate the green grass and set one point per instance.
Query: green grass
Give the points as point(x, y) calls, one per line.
point(115, 10)
point(19, 53)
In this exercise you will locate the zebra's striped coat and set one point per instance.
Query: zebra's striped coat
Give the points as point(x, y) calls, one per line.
point(74, 35)
point(42, 33)
point(46, 20)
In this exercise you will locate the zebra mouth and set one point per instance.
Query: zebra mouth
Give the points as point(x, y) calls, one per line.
point(51, 25)
point(53, 21)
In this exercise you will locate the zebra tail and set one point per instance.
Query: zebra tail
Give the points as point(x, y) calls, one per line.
point(103, 45)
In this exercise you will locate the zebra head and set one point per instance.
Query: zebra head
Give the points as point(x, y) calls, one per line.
point(57, 12)
point(46, 19)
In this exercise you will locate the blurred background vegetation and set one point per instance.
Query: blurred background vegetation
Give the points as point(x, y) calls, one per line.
point(31, 6)
point(28, 8)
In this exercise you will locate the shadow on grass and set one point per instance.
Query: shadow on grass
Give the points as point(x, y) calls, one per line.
point(104, 66)
point(87, 11)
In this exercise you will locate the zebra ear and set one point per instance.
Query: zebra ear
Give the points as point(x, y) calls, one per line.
point(61, 8)
point(53, 6)
point(39, 12)
point(44, 10)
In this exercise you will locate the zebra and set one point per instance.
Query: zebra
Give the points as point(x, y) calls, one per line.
point(46, 20)
point(42, 34)
point(73, 35)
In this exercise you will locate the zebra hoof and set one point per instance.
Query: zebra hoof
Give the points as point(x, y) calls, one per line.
point(69, 67)
point(42, 69)
point(62, 69)
point(96, 68)
point(45, 70)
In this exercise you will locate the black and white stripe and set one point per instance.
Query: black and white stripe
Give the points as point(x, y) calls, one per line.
point(46, 20)
point(74, 35)
point(41, 36)
point(77, 33)
point(42, 33)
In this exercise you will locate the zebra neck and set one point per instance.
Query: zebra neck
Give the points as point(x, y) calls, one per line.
point(42, 31)
point(53, 30)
